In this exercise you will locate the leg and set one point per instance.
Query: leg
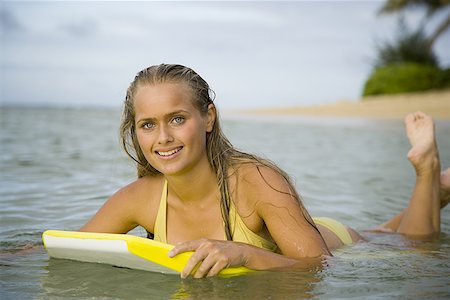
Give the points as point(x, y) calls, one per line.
point(444, 192)
point(422, 215)
point(444, 195)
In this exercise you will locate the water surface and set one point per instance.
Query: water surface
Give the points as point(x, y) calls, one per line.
point(59, 165)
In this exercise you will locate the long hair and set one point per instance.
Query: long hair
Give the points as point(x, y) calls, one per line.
point(221, 153)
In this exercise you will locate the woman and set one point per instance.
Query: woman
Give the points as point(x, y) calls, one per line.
point(196, 191)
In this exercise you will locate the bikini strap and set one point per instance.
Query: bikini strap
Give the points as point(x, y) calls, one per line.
point(160, 223)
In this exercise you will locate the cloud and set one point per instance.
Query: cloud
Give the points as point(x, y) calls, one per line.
point(9, 22)
point(252, 53)
point(81, 28)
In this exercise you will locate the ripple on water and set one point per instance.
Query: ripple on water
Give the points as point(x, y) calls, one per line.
point(352, 171)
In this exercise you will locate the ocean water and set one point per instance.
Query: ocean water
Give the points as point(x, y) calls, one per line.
point(57, 167)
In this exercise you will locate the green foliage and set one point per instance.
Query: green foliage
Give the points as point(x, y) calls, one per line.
point(444, 79)
point(408, 47)
point(408, 64)
point(405, 78)
point(395, 6)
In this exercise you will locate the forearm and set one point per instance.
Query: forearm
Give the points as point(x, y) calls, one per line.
point(107, 225)
point(260, 259)
point(212, 256)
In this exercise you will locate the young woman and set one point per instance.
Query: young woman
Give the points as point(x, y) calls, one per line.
point(194, 190)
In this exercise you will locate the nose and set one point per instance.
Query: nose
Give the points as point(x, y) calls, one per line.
point(165, 135)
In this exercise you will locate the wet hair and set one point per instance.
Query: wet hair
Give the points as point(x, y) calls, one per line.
point(222, 156)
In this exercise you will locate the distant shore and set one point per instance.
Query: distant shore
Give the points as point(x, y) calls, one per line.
point(434, 103)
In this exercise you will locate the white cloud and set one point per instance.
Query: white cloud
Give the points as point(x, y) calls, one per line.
point(252, 53)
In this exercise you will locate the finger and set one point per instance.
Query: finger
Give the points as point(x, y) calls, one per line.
point(192, 262)
point(325, 262)
point(184, 247)
point(204, 268)
point(218, 266)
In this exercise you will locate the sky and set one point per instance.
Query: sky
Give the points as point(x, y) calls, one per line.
point(253, 54)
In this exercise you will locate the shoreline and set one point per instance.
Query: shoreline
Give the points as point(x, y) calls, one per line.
point(434, 103)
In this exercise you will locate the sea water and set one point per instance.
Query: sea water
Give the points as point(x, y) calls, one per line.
point(57, 167)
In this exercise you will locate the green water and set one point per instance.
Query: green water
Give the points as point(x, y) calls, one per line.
point(57, 166)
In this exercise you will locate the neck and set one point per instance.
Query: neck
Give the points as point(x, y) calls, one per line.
point(195, 185)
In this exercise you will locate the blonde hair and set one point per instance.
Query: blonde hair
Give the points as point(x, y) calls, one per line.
point(221, 154)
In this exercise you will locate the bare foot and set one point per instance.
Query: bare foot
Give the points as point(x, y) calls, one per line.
point(444, 191)
point(422, 216)
point(420, 131)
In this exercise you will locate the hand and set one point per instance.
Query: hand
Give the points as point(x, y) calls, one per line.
point(212, 256)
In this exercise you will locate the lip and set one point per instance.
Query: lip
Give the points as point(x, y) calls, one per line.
point(168, 153)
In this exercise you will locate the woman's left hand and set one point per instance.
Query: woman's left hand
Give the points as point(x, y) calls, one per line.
point(211, 256)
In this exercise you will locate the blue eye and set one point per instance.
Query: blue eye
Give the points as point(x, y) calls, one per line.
point(148, 125)
point(178, 120)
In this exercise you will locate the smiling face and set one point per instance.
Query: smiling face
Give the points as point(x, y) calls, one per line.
point(170, 130)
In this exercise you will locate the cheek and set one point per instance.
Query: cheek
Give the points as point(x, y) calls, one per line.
point(139, 138)
point(144, 141)
point(197, 134)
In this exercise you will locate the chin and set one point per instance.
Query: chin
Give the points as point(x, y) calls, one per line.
point(171, 171)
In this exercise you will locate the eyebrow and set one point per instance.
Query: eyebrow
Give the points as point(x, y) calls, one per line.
point(166, 116)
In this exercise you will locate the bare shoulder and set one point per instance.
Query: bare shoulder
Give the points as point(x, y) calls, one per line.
point(142, 189)
point(255, 189)
point(143, 197)
point(263, 183)
point(134, 204)
point(262, 190)
point(272, 197)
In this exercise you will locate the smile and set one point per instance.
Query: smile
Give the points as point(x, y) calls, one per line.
point(169, 153)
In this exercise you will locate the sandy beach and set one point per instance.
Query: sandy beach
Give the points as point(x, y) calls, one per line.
point(434, 103)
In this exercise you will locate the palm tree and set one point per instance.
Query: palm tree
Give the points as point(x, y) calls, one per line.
point(432, 6)
point(409, 46)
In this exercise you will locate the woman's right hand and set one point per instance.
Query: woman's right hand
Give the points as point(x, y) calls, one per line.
point(210, 256)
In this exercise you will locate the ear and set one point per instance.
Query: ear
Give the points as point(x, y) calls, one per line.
point(210, 117)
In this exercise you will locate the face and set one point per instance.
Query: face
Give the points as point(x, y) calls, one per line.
point(170, 129)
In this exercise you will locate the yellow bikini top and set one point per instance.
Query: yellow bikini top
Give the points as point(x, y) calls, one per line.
point(239, 230)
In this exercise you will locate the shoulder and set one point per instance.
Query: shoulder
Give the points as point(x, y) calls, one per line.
point(140, 195)
point(132, 205)
point(142, 187)
point(140, 198)
point(261, 179)
point(263, 186)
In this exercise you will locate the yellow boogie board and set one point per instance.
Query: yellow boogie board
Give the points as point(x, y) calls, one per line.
point(120, 250)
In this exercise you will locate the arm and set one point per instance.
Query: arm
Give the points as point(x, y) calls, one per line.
point(126, 209)
point(301, 245)
point(212, 256)
point(115, 216)
point(286, 218)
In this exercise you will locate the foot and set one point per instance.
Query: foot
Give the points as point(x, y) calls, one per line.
point(423, 153)
point(444, 191)
point(422, 216)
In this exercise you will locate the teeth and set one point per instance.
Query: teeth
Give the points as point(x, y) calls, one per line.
point(168, 153)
